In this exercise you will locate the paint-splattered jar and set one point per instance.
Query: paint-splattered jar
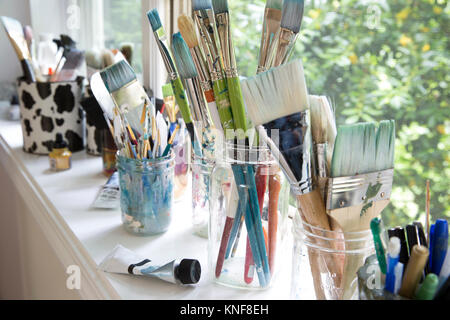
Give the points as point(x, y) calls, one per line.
point(146, 193)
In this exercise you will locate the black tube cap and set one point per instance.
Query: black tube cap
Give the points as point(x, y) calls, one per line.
point(188, 271)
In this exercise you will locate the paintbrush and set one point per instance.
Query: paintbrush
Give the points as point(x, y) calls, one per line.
point(15, 34)
point(323, 130)
point(178, 89)
point(204, 19)
point(360, 184)
point(169, 105)
point(229, 61)
point(290, 143)
point(128, 94)
point(187, 30)
point(291, 20)
point(203, 14)
point(270, 27)
point(242, 174)
point(188, 73)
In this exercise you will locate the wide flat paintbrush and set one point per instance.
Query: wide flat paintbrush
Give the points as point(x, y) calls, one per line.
point(285, 87)
point(128, 94)
point(270, 27)
point(188, 73)
point(361, 183)
point(163, 44)
point(291, 19)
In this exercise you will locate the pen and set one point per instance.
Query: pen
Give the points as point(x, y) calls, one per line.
point(440, 245)
point(430, 247)
point(398, 272)
point(413, 272)
point(400, 233)
point(392, 260)
point(412, 237)
point(428, 289)
point(375, 227)
point(422, 237)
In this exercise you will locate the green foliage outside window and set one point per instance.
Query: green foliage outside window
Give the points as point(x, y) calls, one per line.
point(377, 60)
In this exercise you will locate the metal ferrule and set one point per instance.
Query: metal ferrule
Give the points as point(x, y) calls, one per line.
point(343, 192)
point(285, 40)
point(320, 149)
point(272, 19)
point(200, 66)
point(166, 56)
point(223, 29)
point(198, 101)
point(208, 24)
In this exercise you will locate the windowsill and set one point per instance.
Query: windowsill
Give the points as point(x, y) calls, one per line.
point(92, 233)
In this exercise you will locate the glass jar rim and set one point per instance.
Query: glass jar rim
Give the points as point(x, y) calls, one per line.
point(139, 162)
point(331, 235)
point(244, 154)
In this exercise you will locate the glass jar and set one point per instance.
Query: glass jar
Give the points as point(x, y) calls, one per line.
point(325, 262)
point(201, 177)
point(248, 219)
point(109, 151)
point(146, 193)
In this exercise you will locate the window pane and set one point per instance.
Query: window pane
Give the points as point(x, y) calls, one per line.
point(122, 25)
point(377, 60)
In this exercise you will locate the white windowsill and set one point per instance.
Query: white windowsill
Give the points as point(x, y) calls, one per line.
point(84, 236)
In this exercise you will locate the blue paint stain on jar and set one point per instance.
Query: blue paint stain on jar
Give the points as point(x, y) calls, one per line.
point(146, 193)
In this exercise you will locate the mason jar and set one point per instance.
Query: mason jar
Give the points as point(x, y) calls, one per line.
point(146, 193)
point(248, 219)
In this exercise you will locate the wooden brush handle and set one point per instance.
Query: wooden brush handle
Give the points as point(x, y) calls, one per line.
point(274, 193)
point(312, 209)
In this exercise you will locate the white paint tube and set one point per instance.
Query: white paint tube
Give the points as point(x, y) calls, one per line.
point(179, 271)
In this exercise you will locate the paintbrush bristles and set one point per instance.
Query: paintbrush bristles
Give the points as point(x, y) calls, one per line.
point(155, 21)
point(187, 30)
point(276, 93)
point(201, 4)
point(220, 6)
point(319, 121)
point(292, 14)
point(183, 58)
point(359, 148)
point(274, 4)
point(117, 75)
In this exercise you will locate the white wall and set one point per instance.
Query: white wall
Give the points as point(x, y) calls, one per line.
point(10, 65)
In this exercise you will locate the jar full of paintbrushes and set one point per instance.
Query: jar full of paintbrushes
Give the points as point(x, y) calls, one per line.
point(202, 168)
point(248, 218)
point(146, 193)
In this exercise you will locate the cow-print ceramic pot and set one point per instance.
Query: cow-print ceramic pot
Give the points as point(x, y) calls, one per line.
point(48, 108)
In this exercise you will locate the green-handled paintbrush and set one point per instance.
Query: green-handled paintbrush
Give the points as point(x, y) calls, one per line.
point(180, 96)
point(227, 51)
